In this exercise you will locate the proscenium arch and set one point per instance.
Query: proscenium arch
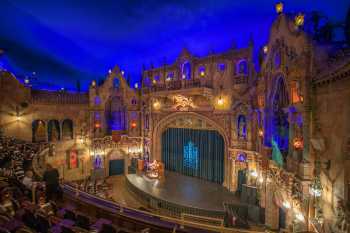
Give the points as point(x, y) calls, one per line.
point(156, 148)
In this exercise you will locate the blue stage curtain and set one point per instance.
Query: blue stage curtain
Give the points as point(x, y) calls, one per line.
point(207, 163)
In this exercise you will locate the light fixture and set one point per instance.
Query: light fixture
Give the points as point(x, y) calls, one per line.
point(122, 72)
point(316, 188)
point(286, 204)
point(133, 124)
point(168, 79)
point(299, 20)
point(202, 73)
point(183, 76)
point(254, 173)
point(261, 179)
point(261, 133)
point(109, 71)
point(18, 118)
point(156, 105)
point(93, 83)
point(300, 217)
point(220, 101)
point(279, 7)
point(265, 49)
point(97, 125)
point(298, 143)
point(154, 81)
point(62, 88)
point(26, 80)
point(136, 85)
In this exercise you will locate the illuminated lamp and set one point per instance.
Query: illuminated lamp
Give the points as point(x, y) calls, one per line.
point(300, 217)
point(286, 204)
point(156, 105)
point(183, 76)
point(109, 71)
point(254, 173)
point(261, 179)
point(154, 81)
point(18, 118)
point(261, 133)
point(202, 73)
point(122, 72)
point(279, 7)
point(298, 143)
point(316, 188)
point(93, 83)
point(299, 20)
point(97, 125)
point(265, 49)
point(62, 88)
point(136, 85)
point(133, 124)
point(168, 79)
point(26, 80)
point(220, 101)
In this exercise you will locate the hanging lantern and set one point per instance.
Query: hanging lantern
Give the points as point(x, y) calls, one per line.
point(133, 124)
point(298, 143)
point(279, 7)
point(299, 20)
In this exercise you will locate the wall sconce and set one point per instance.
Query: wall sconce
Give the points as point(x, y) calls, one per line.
point(298, 143)
point(265, 49)
point(220, 101)
point(286, 204)
point(261, 133)
point(254, 174)
point(279, 7)
point(133, 124)
point(97, 125)
point(136, 85)
point(299, 20)
point(156, 105)
point(300, 217)
point(202, 73)
point(154, 81)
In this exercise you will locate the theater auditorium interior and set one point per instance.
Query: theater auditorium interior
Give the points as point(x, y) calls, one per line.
point(174, 116)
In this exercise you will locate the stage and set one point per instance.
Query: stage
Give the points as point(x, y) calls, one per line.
point(182, 194)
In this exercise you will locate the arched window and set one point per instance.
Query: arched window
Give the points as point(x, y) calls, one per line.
point(242, 127)
point(221, 67)
point(53, 130)
point(39, 131)
point(242, 67)
point(67, 129)
point(147, 82)
point(133, 101)
point(97, 100)
point(277, 60)
point(116, 114)
point(116, 83)
point(186, 70)
point(201, 71)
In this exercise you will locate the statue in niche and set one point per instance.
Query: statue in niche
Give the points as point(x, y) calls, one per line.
point(242, 127)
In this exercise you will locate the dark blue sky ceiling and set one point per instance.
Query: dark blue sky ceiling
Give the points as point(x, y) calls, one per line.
point(63, 41)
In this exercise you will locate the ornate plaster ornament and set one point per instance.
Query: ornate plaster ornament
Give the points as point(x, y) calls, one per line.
point(183, 103)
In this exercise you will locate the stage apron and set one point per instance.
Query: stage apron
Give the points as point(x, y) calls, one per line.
point(193, 152)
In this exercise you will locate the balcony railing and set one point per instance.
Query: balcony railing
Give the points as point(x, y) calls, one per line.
point(176, 85)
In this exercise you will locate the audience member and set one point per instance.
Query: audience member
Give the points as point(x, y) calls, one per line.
point(51, 179)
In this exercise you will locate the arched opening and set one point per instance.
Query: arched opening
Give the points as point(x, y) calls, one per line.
point(242, 67)
point(186, 70)
point(115, 114)
point(67, 129)
point(278, 126)
point(39, 131)
point(53, 131)
point(242, 127)
point(194, 152)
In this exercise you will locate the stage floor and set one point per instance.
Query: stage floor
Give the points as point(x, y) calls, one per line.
point(185, 190)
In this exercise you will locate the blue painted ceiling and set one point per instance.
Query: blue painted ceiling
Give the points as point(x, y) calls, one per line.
point(65, 41)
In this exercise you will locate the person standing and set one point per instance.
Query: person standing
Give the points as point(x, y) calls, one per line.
point(51, 179)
